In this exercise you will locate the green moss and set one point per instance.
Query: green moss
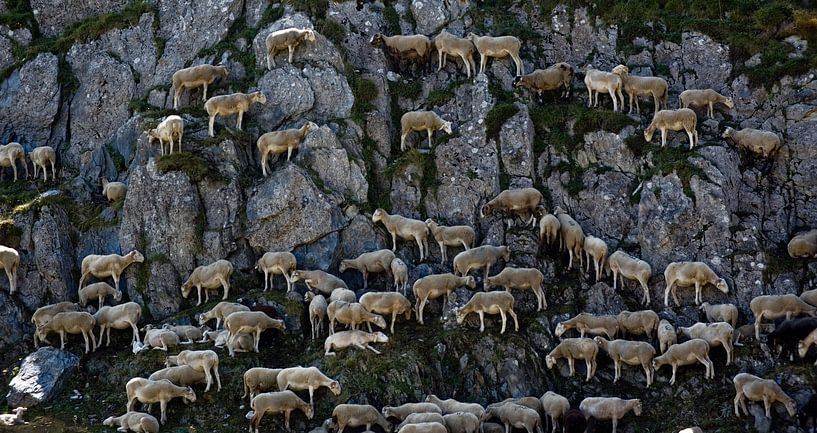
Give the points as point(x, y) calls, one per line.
point(497, 117)
point(392, 19)
point(365, 92)
point(194, 166)
point(116, 157)
point(18, 15)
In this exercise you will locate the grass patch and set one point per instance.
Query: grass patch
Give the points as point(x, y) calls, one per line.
point(194, 166)
point(497, 117)
point(333, 31)
point(439, 97)
point(406, 89)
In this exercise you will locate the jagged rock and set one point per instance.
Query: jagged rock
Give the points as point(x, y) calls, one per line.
point(6, 54)
point(53, 252)
point(254, 11)
point(333, 96)
point(706, 62)
point(322, 152)
point(135, 47)
point(292, 93)
point(29, 102)
point(430, 15)
point(516, 144)
point(54, 16)
point(42, 376)
point(11, 323)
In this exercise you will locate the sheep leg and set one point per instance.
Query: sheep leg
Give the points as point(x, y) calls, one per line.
point(176, 95)
point(735, 402)
point(672, 379)
point(571, 365)
point(631, 103)
point(371, 348)
point(663, 137)
point(504, 319)
point(394, 241)
point(591, 368)
point(35, 170)
point(422, 309)
point(14, 169)
point(62, 340)
point(597, 99)
point(515, 321)
point(442, 252)
point(570, 261)
point(291, 52)
point(646, 292)
point(697, 293)
point(711, 113)
point(481, 321)
point(208, 378)
point(483, 60)
point(487, 270)
point(85, 337)
point(289, 152)
point(440, 60)
point(615, 424)
point(589, 96)
point(617, 367)
point(691, 139)
point(420, 246)
point(430, 133)
point(240, 118)
point(212, 121)
point(518, 63)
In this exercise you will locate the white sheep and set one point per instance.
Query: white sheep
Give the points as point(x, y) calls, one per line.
point(612, 408)
point(161, 391)
point(319, 281)
point(716, 334)
point(720, 313)
point(220, 312)
point(764, 143)
point(15, 418)
point(776, 306)
point(286, 39)
point(226, 105)
point(158, 339)
point(685, 274)
point(202, 360)
point(212, 276)
point(803, 245)
point(596, 248)
point(451, 236)
point(317, 312)
point(341, 294)
point(426, 427)
point(601, 81)
point(483, 256)
point(520, 278)
point(571, 236)
point(371, 262)
point(435, 286)
point(644, 322)
point(587, 323)
point(180, 375)
point(450, 405)
point(405, 228)
point(631, 268)
point(387, 303)
point(70, 322)
point(188, 334)
point(706, 97)
point(686, 353)
point(260, 379)
point(403, 411)
point(421, 417)
point(46, 313)
point(41, 157)
point(636, 86)
point(555, 406)
point(573, 349)
point(450, 45)
point(749, 386)
point(498, 47)
point(352, 314)
point(549, 227)
point(489, 303)
point(554, 77)
point(195, 76)
point(121, 316)
point(630, 353)
point(245, 322)
point(274, 403)
point(171, 130)
point(461, 422)
point(111, 265)
point(10, 261)
point(278, 142)
point(98, 291)
point(359, 339)
point(137, 422)
point(421, 120)
point(9, 154)
point(516, 416)
point(674, 120)
point(113, 191)
point(524, 202)
point(399, 270)
point(666, 335)
point(306, 378)
point(410, 47)
point(358, 415)
point(804, 344)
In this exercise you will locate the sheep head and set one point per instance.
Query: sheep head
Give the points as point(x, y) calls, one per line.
point(637, 407)
point(310, 126)
point(485, 210)
point(377, 40)
point(472, 36)
point(430, 223)
point(550, 361)
point(729, 103)
point(136, 256)
point(250, 414)
point(789, 403)
point(309, 296)
point(309, 35)
point(470, 282)
point(621, 70)
point(460, 318)
point(108, 421)
point(559, 210)
point(388, 411)
point(117, 295)
point(279, 324)
point(296, 276)
point(447, 127)
point(380, 322)
point(223, 71)
point(560, 329)
point(722, 286)
point(380, 337)
point(378, 215)
point(186, 288)
point(802, 349)
point(648, 134)
point(259, 97)
point(308, 411)
point(728, 132)
point(344, 265)
point(189, 395)
point(334, 386)
point(517, 81)
point(153, 135)
point(506, 252)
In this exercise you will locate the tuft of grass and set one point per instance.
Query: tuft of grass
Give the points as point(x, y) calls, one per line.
point(392, 19)
point(406, 89)
point(194, 166)
point(439, 97)
point(497, 117)
point(332, 30)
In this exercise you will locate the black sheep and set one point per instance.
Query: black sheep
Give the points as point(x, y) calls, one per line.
point(789, 333)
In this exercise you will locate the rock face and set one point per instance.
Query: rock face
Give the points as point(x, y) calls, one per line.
point(42, 376)
point(54, 16)
point(29, 101)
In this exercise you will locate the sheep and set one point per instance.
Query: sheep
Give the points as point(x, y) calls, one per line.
point(601, 81)
point(590, 324)
point(400, 272)
point(275, 403)
point(309, 378)
point(358, 415)
point(371, 262)
point(317, 312)
point(478, 257)
point(776, 306)
point(708, 97)
point(15, 418)
point(318, 280)
point(209, 277)
point(461, 422)
point(120, 316)
point(666, 335)
point(405, 228)
point(405, 410)
point(421, 120)
point(111, 265)
point(809, 296)
point(716, 334)
point(387, 303)
point(749, 386)
point(596, 248)
point(552, 78)
point(10, 260)
point(516, 416)
point(804, 344)
point(520, 278)
point(250, 321)
point(631, 268)
point(278, 142)
point(133, 421)
point(113, 191)
point(359, 339)
point(98, 291)
point(171, 129)
point(161, 339)
point(70, 322)
point(643, 322)
point(147, 391)
point(202, 360)
point(451, 236)
point(352, 314)
point(220, 312)
point(692, 430)
point(555, 406)
point(434, 286)
point(612, 408)
point(789, 333)
point(636, 86)
point(450, 405)
point(764, 143)
point(573, 349)
point(685, 274)
point(9, 154)
point(549, 228)
point(404, 47)
point(422, 417)
point(450, 45)
point(720, 313)
point(341, 294)
point(286, 39)
point(571, 236)
point(630, 353)
point(241, 344)
point(686, 353)
point(426, 427)
point(40, 158)
point(492, 427)
point(520, 201)
point(575, 422)
point(674, 120)
point(195, 76)
point(47, 313)
point(803, 245)
point(180, 375)
point(489, 303)
point(189, 334)
point(260, 379)
point(498, 47)
point(226, 105)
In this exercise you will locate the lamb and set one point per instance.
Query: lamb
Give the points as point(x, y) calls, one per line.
point(716, 334)
point(202, 360)
point(434, 286)
point(352, 314)
point(162, 391)
point(630, 353)
point(478, 257)
point(498, 47)
point(489, 303)
point(133, 421)
point(341, 294)
point(627, 266)
point(317, 312)
point(405, 228)
point(318, 281)
point(636, 86)
point(111, 265)
point(120, 316)
point(195, 76)
point(612, 408)
point(113, 191)
point(260, 379)
point(220, 312)
point(10, 261)
point(764, 143)
point(404, 47)
point(309, 378)
point(421, 120)
point(47, 313)
point(749, 386)
point(461, 422)
point(573, 349)
point(426, 427)
point(98, 291)
point(686, 353)
point(674, 120)
point(278, 142)
point(450, 405)
point(666, 335)
point(387, 303)
point(226, 105)
point(521, 201)
point(708, 97)
point(41, 157)
point(590, 324)
point(552, 78)
point(209, 277)
point(520, 278)
point(555, 406)
point(70, 322)
point(572, 236)
point(359, 339)
point(549, 228)
point(596, 248)
point(276, 403)
point(9, 154)
point(451, 236)
point(358, 415)
point(720, 313)
point(403, 411)
point(776, 306)
point(189, 334)
point(450, 45)
point(247, 322)
point(788, 335)
point(171, 129)
point(286, 39)
point(180, 375)
point(601, 81)
point(15, 418)
point(643, 322)
point(516, 416)
point(685, 274)
point(371, 262)
point(803, 245)
point(161, 339)
point(400, 272)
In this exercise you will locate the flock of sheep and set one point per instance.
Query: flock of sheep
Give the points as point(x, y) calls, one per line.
point(271, 391)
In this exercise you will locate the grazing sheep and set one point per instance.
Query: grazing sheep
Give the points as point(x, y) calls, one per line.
point(643, 322)
point(306, 378)
point(403, 411)
point(387, 303)
point(317, 312)
point(788, 334)
point(686, 353)
point(451, 236)
point(10, 261)
point(631, 268)
point(450, 405)
point(498, 47)
point(41, 157)
point(636, 86)
point(212, 276)
point(555, 406)
point(489, 303)
point(202, 360)
point(666, 335)
point(803, 245)
point(685, 274)
point(9, 154)
point(400, 272)
point(764, 143)
point(601, 81)
point(549, 228)
point(596, 248)
point(749, 386)
point(286, 39)
point(220, 312)
point(434, 286)
point(98, 291)
point(359, 339)
point(520, 278)
point(422, 417)
point(180, 375)
point(520, 201)
point(250, 321)
point(405, 228)
point(15, 418)
point(226, 105)
point(707, 97)
point(278, 142)
point(371, 262)
point(612, 408)
point(516, 416)
point(195, 76)
point(450, 45)
point(673, 120)
point(319, 281)
point(776, 306)
point(590, 324)
point(716, 334)
point(426, 427)
point(461, 422)
point(133, 421)
point(161, 339)
point(147, 391)
point(46, 313)
point(171, 129)
point(111, 265)
point(575, 422)
point(121, 316)
point(260, 379)
point(70, 322)
point(720, 313)
point(479, 257)
point(341, 294)
point(358, 415)
point(571, 236)
point(352, 314)
point(274, 403)
point(554, 77)
point(411, 47)
point(113, 191)
point(573, 349)
point(421, 120)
